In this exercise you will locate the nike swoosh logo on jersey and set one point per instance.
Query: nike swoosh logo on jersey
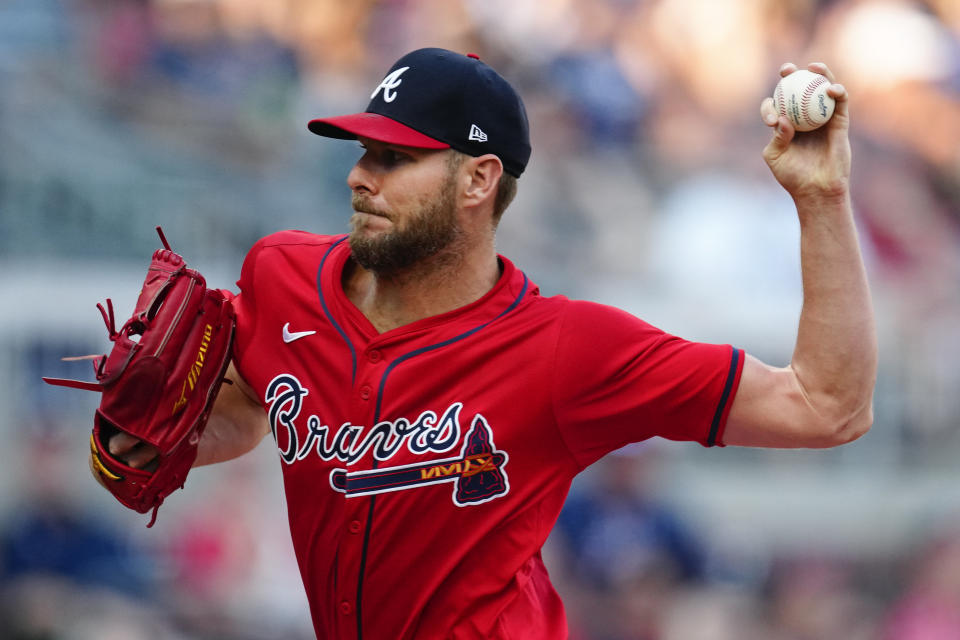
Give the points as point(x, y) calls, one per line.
point(290, 336)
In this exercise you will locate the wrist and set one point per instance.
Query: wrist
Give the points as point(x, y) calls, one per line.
point(820, 198)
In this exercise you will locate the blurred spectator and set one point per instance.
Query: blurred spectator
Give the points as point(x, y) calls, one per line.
point(588, 79)
point(929, 607)
point(818, 599)
point(711, 231)
point(52, 549)
point(125, 42)
point(713, 613)
point(608, 110)
point(50, 534)
point(228, 566)
point(627, 552)
point(899, 91)
point(196, 51)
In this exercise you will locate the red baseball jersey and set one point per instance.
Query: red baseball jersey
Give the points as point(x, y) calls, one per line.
point(424, 467)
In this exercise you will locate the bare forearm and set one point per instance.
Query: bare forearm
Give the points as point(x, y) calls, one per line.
point(225, 440)
point(835, 359)
point(237, 423)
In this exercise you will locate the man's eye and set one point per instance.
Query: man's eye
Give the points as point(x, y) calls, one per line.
point(386, 157)
point(391, 157)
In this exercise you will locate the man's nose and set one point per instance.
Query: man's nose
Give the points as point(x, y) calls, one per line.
point(361, 178)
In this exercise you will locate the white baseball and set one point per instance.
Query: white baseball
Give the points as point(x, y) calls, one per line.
point(802, 97)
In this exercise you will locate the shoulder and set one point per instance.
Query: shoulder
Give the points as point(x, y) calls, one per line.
point(584, 329)
point(570, 316)
point(280, 250)
point(597, 319)
point(290, 243)
point(291, 239)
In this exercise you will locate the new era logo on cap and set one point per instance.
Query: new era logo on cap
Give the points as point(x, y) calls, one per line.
point(476, 133)
point(438, 99)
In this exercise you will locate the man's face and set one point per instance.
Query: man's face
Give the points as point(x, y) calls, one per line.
point(405, 208)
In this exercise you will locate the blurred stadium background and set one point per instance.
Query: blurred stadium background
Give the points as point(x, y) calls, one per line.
point(646, 190)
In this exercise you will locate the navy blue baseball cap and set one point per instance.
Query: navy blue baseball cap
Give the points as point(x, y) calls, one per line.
point(439, 99)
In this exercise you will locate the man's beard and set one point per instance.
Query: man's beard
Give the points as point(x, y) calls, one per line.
point(424, 234)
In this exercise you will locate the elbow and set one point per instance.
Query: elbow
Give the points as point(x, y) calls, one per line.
point(839, 412)
point(856, 426)
point(847, 429)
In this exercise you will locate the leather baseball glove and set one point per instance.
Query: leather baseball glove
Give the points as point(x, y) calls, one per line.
point(159, 380)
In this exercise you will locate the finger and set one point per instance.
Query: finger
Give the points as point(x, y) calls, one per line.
point(787, 68)
point(768, 112)
point(121, 443)
point(839, 93)
point(141, 456)
point(822, 69)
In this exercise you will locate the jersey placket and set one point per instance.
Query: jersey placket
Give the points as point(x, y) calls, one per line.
point(374, 365)
point(358, 511)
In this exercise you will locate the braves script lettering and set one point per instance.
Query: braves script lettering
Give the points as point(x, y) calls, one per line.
point(428, 433)
point(477, 473)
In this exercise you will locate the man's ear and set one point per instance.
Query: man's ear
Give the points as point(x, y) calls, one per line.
point(484, 174)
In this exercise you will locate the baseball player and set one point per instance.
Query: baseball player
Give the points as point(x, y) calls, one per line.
point(430, 408)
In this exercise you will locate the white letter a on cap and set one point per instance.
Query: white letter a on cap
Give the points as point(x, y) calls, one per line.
point(389, 85)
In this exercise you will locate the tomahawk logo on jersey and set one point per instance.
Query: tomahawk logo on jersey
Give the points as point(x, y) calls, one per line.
point(477, 474)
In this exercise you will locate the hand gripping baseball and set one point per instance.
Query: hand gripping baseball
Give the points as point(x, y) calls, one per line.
point(814, 163)
point(158, 383)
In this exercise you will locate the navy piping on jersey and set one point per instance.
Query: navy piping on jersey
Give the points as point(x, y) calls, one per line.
point(326, 311)
point(727, 388)
point(376, 419)
point(439, 345)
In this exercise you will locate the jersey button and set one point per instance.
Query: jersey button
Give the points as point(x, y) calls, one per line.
point(346, 608)
point(365, 392)
point(374, 356)
point(355, 526)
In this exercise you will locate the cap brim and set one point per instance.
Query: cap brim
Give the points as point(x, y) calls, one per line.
point(375, 127)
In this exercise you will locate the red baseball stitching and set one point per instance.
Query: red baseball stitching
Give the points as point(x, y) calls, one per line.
point(808, 97)
point(779, 101)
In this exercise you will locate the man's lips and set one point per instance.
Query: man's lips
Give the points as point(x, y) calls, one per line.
point(371, 212)
point(362, 205)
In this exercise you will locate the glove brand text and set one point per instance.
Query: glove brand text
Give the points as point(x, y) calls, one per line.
point(194, 373)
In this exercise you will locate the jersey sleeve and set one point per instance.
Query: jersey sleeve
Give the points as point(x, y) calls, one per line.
point(245, 303)
point(618, 379)
point(272, 261)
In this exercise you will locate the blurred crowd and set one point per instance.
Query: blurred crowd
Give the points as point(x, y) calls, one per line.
point(646, 189)
point(628, 565)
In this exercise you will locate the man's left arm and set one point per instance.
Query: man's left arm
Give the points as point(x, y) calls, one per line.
point(825, 396)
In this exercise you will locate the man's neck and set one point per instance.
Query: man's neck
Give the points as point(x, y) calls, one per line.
point(437, 285)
